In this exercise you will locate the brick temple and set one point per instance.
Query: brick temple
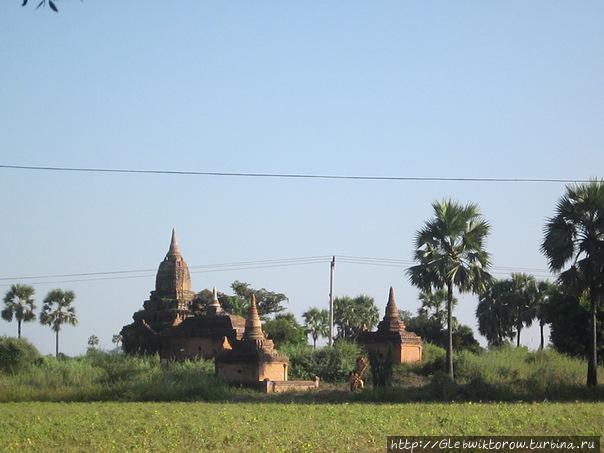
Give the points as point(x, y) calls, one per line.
point(253, 358)
point(392, 340)
point(167, 324)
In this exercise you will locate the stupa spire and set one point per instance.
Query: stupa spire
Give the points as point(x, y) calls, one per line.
point(214, 307)
point(391, 308)
point(253, 326)
point(174, 248)
point(392, 321)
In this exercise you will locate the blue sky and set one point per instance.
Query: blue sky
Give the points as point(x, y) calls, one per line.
point(475, 89)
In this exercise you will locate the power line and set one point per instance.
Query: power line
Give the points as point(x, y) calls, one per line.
point(200, 266)
point(205, 271)
point(254, 264)
point(292, 175)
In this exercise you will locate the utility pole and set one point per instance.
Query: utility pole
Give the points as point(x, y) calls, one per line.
point(332, 268)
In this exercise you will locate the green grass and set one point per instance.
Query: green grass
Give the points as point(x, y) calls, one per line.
point(274, 426)
point(508, 374)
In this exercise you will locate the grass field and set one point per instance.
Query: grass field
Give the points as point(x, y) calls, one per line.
point(274, 426)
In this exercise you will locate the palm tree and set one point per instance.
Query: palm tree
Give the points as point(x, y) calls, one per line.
point(353, 314)
point(116, 340)
point(19, 303)
point(93, 342)
point(316, 323)
point(522, 299)
point(434, 305)
point(57, 310)
point(494, 314)
point(575, 236)
point(449, 250)
point(544, 292)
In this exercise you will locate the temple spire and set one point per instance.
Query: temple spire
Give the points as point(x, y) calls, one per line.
point(174, 248)
point(391, 308)
point(253, 327)
point(392, 321)
point(214, 307)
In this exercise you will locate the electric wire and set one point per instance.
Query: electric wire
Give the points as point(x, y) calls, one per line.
point(294, 175)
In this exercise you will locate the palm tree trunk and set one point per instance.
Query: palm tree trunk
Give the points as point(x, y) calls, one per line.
point(314, 342)
point(518, 330)
point(450, 330)
point(56, 343)
point(18, 328)
point(592, 362)
point(541, 324)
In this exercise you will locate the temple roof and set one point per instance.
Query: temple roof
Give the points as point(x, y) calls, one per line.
point(214, 308)
point(174, 248)
point(391, 328)
point(173, 279)
point(253, 326)
point(392, 320)
point(223, 324)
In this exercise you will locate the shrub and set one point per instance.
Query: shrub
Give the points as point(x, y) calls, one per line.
point(330, 363)
point(16, 354)
point(433, 360)
point(334, 363)
point(302, 361)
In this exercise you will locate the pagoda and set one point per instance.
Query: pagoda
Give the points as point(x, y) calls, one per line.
point(391, 340)
point(253, 358)
point(168, 304)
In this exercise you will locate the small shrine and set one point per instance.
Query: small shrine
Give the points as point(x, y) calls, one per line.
point(253, 358)
point(202, 336)
point(392, 340)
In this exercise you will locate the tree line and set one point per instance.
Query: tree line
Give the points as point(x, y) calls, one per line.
point(450, 256)
point(58, 309)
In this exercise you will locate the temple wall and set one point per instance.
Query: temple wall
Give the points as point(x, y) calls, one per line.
point(405, 353)
point(238, 372)
point(274, 371)
point(182, 348)
point(252, 372)
point(411, 353)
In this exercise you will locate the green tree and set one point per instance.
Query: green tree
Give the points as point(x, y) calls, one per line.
point(450, 253)
point(269, 302)
point(316, 323)
point(568, 317)
point(574, 236)
point(434, 305)
point(284, 329)
point(57, 310)
point(522, 301)
point(19, 304)
point(116, 340)
point(542, 307)
point(93, 341)
point(494, 314)
point(351, 315)
point(205, 298)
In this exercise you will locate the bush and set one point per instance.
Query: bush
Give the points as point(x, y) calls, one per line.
point(433, 360)
point(16, 354)
point(330, 363)
point(334, 363)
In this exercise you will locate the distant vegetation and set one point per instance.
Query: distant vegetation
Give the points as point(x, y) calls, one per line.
point(450, 256)
point(505, 374)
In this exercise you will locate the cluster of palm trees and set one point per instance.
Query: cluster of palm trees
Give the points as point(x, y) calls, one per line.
point(450, 254)
point(509, 305)
point(57, 310)
point(351, 316)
